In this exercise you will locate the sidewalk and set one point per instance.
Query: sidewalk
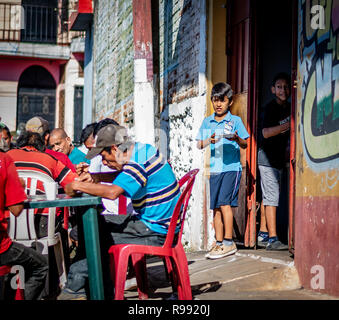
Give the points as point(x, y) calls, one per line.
point(247, 275)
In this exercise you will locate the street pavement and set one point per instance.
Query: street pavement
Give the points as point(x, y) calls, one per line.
point(246, 275)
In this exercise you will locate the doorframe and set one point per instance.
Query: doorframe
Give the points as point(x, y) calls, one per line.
point(294, 71)
point(252, 113)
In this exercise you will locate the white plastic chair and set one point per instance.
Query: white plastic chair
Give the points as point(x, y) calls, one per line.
point(22, 228)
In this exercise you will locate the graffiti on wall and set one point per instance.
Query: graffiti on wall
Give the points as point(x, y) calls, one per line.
point(319, 71)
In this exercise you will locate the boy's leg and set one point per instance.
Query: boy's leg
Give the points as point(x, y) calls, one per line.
point(218, 225)
point(270, 185)
point(271, 220)
point(262, 239)
point(227, 198)
point(227, 215)
point(263, 224)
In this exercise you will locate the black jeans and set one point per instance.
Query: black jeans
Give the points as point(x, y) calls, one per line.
point(34, 264)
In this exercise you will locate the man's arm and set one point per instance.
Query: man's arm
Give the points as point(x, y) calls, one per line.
point(96, 189)
point(16, 209)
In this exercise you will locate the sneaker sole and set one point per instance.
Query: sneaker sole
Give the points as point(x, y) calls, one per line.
point(223, 255)
point(262, 244)
point(276, 249)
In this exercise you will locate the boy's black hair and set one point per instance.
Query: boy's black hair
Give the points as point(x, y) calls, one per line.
point(222, 90)
point(281, 76)
point(103, 123)
point(5, 128)
point(33, 139)
point(87, 131)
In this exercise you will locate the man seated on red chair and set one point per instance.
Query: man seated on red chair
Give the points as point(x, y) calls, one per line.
point(145, 177)
point(31, 156)
point(12, 196)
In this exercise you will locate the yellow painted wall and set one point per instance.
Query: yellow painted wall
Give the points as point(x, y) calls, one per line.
point(317, 143)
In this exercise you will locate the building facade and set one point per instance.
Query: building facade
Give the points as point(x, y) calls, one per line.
point(195, 44)
point(40, 65)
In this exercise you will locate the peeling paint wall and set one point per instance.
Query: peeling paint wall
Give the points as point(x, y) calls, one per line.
point(183, 100)
point(317, 147)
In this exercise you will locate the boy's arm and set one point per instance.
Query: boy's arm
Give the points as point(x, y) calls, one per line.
point(201, 144)
point(274, 131)
point(241, 142)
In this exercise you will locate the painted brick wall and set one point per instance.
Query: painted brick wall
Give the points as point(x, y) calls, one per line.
point(182, 41)
point(113, 59)
point(179, 50)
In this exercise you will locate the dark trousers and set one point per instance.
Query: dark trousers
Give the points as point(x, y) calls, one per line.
point(34, 264)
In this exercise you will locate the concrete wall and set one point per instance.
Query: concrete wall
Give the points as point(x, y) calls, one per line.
point(317, 150)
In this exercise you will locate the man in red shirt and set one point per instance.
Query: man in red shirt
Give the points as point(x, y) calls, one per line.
point(12, 196)
point(41, 126)
point(31, 156)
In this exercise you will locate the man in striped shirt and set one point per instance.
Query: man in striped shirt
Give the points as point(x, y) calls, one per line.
point(145, 177)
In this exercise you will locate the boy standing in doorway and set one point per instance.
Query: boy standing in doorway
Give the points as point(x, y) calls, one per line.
point(272, 158)
point(226, 134)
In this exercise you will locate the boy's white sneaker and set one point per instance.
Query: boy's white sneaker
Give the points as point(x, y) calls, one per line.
point(222, 251)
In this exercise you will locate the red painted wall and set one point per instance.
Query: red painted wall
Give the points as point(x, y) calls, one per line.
point(12, 68)
point(316, 242)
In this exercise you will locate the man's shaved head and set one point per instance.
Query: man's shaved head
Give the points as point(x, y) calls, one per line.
point(59, 132)
point(60, 141)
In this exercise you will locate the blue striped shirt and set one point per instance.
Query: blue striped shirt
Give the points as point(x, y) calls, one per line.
point(150, 182)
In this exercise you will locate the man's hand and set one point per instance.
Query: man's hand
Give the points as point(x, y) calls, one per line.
point(69, 189)
point(82, 167)
point(85, 177)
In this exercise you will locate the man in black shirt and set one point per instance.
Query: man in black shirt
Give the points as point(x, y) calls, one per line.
point(272, 157)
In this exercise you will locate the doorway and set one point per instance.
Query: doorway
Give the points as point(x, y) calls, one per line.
point(275, 47)
point(36, 96)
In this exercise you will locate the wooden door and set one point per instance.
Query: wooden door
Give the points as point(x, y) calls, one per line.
point(241, 75)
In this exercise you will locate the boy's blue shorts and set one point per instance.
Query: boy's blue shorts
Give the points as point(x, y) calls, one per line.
point(224, 189)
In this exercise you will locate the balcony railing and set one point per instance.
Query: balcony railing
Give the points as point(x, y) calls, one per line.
point(35, 23)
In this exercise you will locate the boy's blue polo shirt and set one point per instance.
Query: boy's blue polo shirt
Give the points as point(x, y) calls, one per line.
point(225, 154)
point(149, 181)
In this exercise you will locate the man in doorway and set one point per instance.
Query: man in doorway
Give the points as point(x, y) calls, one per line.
point(272, 158)
point(60, 141)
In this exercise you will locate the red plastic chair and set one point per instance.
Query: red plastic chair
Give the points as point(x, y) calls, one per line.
point(19, 294)
point(175, 257)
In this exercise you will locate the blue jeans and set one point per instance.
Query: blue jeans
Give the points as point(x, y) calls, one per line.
point(34, 264)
